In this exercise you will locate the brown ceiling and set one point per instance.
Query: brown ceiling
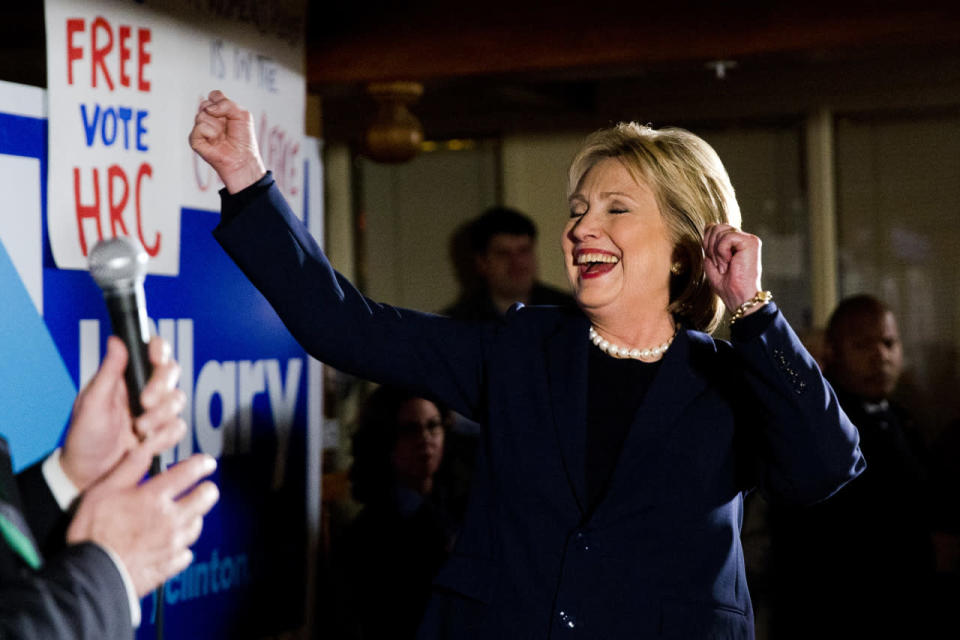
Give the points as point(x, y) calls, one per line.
point(497, 66)
point(363, 42)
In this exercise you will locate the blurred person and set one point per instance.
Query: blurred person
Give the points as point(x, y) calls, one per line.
point(860, 564)
point(619, 438)
point(82, 539)
point(388, 557)
point(945, 464)
point(815, 341)
point(503, 245)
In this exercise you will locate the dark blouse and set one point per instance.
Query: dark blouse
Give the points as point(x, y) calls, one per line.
point(615, 390)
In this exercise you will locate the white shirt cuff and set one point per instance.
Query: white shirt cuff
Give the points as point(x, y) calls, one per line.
point(65, 493)
point(132, 598)
point(62, 488)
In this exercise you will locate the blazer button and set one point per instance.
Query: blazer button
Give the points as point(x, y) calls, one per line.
point(567, 620)
point(583, 542)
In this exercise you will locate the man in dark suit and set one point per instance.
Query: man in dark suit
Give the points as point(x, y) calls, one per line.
point(81, 539)
point(502, 246)
point(860, 563)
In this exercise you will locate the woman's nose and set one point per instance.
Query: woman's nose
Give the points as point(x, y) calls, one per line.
point(586, 226)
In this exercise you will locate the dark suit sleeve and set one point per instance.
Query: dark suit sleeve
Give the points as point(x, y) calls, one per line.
point(808, 447)
point(47, 521)
point(434, 356)
point(78, 594)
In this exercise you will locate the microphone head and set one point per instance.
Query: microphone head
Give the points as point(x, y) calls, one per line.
point(118, 264)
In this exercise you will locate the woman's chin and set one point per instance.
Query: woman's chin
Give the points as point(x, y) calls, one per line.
point(593, 300)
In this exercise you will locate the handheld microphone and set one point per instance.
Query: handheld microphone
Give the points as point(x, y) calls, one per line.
point(118, 266)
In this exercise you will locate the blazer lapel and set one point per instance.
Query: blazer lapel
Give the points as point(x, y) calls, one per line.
point(566, 357)
point(675, 386)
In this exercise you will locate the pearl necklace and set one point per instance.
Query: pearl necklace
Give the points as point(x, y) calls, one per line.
point(622, 352)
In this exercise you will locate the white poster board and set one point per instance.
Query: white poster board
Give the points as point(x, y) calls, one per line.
point(125, 79)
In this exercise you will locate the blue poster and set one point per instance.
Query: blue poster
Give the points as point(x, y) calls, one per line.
point(246, 382)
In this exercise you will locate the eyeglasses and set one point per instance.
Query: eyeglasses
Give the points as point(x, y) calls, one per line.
point(413, 428)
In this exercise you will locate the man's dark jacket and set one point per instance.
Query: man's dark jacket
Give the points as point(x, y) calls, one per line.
point(77, 594)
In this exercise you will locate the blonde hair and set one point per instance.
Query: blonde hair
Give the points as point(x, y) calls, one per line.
point(693, 191)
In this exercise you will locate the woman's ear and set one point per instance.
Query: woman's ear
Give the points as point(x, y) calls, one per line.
point(685, 259)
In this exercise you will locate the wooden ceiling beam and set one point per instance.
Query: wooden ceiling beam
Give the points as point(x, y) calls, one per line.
point(449, 40)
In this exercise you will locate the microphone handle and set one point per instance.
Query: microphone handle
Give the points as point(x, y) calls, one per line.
point(128, 316)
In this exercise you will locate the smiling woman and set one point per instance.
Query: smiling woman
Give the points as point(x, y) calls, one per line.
point(611, 473)
point(689, 189)
point(619, 252)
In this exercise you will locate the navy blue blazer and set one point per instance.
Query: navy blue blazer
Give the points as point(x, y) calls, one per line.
point(660, 556)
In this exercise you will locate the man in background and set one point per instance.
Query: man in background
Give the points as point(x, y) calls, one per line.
point(502, 245)
point(860, 564)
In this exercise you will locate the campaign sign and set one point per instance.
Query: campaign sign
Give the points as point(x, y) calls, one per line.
point(112, 173)
point(257, 58)
point(125, 79)
point(249, 403)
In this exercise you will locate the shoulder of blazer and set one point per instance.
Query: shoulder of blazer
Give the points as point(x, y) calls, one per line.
point(541, 318)
point(714, 359)
point(704, 347)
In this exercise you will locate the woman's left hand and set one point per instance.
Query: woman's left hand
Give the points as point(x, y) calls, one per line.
point(732, 263)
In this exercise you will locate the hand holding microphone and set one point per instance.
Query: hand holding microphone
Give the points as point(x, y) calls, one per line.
point(110, 416)
point(123, 418)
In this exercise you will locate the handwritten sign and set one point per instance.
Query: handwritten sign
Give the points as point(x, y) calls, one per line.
point(125, 79)
point(112, 171)
point(267, 81)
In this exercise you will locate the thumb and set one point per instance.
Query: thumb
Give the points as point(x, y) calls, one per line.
point(104, 382)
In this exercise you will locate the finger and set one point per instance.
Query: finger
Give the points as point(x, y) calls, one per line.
point(159, 351)
point(713, 274)
point(160, 437)
point(708, 241)
point(211, 119)
point(171, 564)
point(162, 419)
point(110, 374)
point(221, 104)
point(206, 129)
point(712, 234)
point(710, 245)
point(734, 242)
point(179, 562)
point(230, 110)
point(190, 532)
point(199, 500)
point(725, 242)
point(162, 381)
point(180, 477)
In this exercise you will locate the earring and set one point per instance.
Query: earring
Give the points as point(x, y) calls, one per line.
point(676, 268)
